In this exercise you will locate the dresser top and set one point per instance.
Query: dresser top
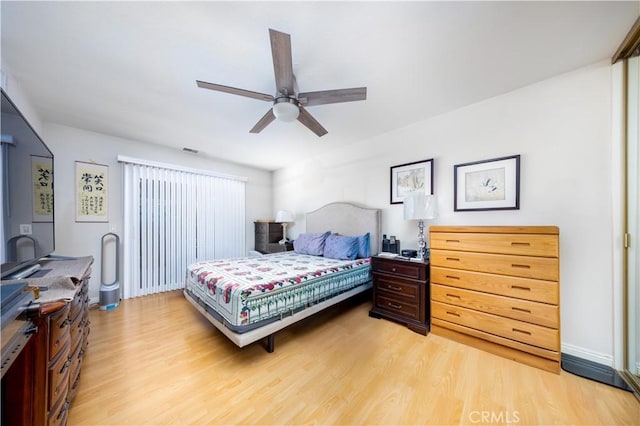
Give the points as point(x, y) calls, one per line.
point(553, 230)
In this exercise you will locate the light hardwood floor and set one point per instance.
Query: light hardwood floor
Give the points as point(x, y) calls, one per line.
point(154, 360)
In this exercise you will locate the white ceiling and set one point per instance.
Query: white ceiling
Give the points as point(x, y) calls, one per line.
point(128, 69)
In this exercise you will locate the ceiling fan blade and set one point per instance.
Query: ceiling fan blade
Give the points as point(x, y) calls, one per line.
point(308, 120)
point(282, 62)
point(263, 122)
point(333, 96)
point(234, 91)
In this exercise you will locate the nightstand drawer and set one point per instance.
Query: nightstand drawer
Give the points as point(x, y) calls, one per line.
point(406, 309)
point(519, 244)
point(522, 310)
point(397, 288)
point(544, 268)
point(404, 269)
point(531, 334)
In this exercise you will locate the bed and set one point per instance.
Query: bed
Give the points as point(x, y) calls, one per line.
point(250, 299)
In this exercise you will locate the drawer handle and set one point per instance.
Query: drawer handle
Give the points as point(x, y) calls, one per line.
point(63, 411)
point(519, 287)
point(453, 277)
point(520, 309)
point(393, 287)
point(517, 330)
point(455, 314)
point(453, 259)
point(517, 265)
point(453, 295)
point(452, 241)
point(394, 306)
point(65, 366)
point(393, 269)
point(516, 243)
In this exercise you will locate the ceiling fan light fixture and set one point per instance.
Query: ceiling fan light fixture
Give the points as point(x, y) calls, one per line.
point(286, 109)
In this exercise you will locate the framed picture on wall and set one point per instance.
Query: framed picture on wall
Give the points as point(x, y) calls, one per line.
point(42, 184)
point(487, 185)
point(410, 177)
point(91, 184)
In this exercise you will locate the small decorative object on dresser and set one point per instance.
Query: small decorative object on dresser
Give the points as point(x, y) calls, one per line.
point(401, 292)
point(497, 288)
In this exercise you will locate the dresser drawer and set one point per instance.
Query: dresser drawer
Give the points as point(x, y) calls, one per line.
point(543, 268)
point(59, 377)
point(58, 331)
point(519, 331)
point(77, 304)
point(58, 417)
point(75, 360)
point(522, 310)
point(394, 287)
point(406, 309)
point(76, 329)
point(414, 271)
point(521, 288)
point(517, 244)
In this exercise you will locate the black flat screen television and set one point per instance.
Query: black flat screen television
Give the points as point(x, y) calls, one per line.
point(26, 178)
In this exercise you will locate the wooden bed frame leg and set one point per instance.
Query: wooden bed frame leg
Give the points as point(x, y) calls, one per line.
point(270, 343)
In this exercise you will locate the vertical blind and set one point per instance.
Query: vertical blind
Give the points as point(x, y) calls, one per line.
point(174, 217)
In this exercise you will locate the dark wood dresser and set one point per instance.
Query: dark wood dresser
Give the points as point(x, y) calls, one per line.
point(401, 292)
point(44, 379)
point(267, 235)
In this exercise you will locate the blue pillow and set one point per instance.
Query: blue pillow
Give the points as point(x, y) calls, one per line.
point(341, 247)
point(364, 246)
point(310, 243)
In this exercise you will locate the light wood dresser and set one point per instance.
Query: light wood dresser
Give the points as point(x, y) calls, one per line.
point(497, 288)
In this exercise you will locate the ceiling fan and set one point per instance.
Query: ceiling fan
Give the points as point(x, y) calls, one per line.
point(288, 104)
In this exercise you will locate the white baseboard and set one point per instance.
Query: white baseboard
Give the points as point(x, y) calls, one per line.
point(94, 301)
point(587, 354)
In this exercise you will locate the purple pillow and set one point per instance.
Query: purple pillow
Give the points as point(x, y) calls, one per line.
point(310, 243)
point(364, 246)
point(341, 247)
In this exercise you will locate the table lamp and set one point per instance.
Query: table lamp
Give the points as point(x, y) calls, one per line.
point(420, 206)
point(284, 217)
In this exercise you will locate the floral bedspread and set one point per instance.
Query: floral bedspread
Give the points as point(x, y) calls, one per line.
point(248, 290)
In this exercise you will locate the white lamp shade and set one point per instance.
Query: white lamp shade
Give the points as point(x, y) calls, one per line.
point(286, 111)
point(284, 216)
point(418, 205)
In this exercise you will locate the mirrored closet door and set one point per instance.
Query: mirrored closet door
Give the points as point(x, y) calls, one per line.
point(632, 243)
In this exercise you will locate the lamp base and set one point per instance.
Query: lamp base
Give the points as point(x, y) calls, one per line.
point(284, 239)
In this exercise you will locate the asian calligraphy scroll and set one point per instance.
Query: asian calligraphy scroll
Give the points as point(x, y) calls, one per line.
point(42, 183)
point(91, 192)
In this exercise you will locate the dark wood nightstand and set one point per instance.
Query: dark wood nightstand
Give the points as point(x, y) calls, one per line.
point(266, 234)
point(401, 292)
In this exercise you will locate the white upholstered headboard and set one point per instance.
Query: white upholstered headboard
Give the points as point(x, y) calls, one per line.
point(347, 219)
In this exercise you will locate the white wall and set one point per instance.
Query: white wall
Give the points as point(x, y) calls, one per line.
point(561, 127)
point(12, 87)
point(80, 239)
